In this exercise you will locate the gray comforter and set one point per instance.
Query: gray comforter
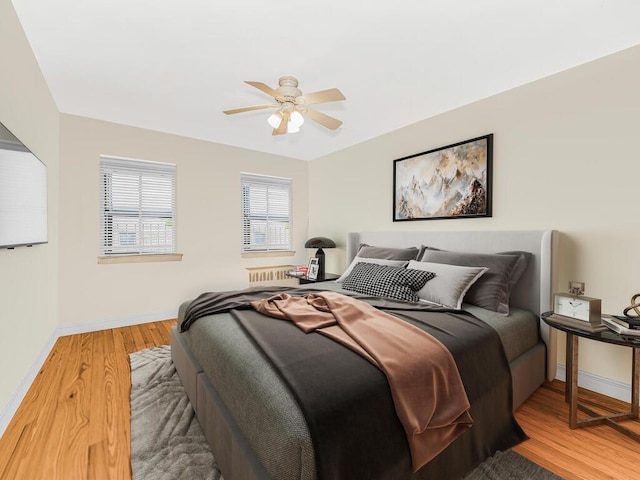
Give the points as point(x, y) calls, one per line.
point(482, 365)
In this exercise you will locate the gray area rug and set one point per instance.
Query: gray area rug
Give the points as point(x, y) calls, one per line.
point(166, 440)
point(167, 443)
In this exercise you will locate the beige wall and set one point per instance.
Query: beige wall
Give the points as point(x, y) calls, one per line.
point(60, 284)
point(208, 209)
point(565, 157)
point(28, 288)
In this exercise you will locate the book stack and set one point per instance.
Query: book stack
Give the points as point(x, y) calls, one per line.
point(622, 325)
point(299, 272)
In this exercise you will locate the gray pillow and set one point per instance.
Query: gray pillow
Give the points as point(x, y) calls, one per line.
point(387, 253)
point(386, 281)
point(492, 290)
point(450, 284)
point(520, 267)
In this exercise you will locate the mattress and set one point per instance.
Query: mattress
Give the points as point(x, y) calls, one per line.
point(518, 331)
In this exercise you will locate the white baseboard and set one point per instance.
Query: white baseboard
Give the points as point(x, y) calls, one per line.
point(7, 413)
point(596, 383)
point(9, 410)
point(116, 322)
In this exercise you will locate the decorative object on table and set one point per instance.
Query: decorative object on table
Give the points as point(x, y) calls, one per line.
point(617, 324)
point(575, 310)
point(314, 268)
point(296, 273)
point(626, 322)
point(575, 305)
point(320, 243)
point(633, 310)
point(585, 309)
point(448, 182)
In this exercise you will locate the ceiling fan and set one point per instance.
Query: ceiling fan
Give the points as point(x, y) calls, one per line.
point(292, 104)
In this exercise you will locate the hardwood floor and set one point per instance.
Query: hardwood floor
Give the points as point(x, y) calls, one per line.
point(74, 422)
point(592, 453)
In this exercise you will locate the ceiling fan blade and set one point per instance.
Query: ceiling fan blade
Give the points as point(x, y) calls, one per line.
point(323, 119)
point(248, 109)
point(265, 88)
point(331, 95)
point(282, 128)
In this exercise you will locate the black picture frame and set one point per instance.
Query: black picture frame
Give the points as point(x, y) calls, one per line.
point(454, 181)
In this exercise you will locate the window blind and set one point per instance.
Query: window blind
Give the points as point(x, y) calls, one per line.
point(137, 207)
point(266, 213)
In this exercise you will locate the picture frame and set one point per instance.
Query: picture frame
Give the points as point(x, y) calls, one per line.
point(314, 267)
point(454, 181)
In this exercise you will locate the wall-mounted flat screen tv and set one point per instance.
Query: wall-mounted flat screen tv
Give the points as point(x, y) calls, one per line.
point(23, 194)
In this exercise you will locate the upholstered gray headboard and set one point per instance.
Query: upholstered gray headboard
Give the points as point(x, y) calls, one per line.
point(535, 288)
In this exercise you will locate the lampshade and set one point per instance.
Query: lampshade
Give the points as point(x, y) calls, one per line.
point(291, 128)
point(320, 242)
point(293, 125)
point(275, 119)
point(296, 119)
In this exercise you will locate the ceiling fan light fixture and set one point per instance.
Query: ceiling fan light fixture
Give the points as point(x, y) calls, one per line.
point(291, 128)
point(274, 119)
point(293, 125)
point(296, 119)
point(292, 104)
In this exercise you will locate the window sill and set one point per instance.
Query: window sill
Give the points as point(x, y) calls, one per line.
point(161, 257)
point(267, 254)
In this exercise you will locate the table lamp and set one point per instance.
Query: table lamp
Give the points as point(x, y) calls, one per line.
point(320, 243)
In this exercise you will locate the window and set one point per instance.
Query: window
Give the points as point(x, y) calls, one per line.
point(266, 213)
point(137, 207)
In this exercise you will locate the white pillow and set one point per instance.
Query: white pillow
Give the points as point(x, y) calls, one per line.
point(449, 285)
point(378, 261)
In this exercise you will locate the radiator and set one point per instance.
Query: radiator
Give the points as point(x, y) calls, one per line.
point(271, 275)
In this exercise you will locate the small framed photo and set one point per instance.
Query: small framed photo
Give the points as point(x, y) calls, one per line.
point(314, 266)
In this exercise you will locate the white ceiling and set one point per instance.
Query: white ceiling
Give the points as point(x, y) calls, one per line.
point(174, 66)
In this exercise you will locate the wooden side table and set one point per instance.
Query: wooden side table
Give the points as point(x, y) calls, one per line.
point(571, 388)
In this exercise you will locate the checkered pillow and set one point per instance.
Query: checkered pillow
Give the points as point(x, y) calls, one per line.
point(386, 281)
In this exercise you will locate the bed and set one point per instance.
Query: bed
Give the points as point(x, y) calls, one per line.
point(254, 424)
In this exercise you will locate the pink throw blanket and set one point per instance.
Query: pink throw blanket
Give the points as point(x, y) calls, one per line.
point(426, 387)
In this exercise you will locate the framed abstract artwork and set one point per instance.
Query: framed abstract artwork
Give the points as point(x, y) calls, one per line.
point(448, 182)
